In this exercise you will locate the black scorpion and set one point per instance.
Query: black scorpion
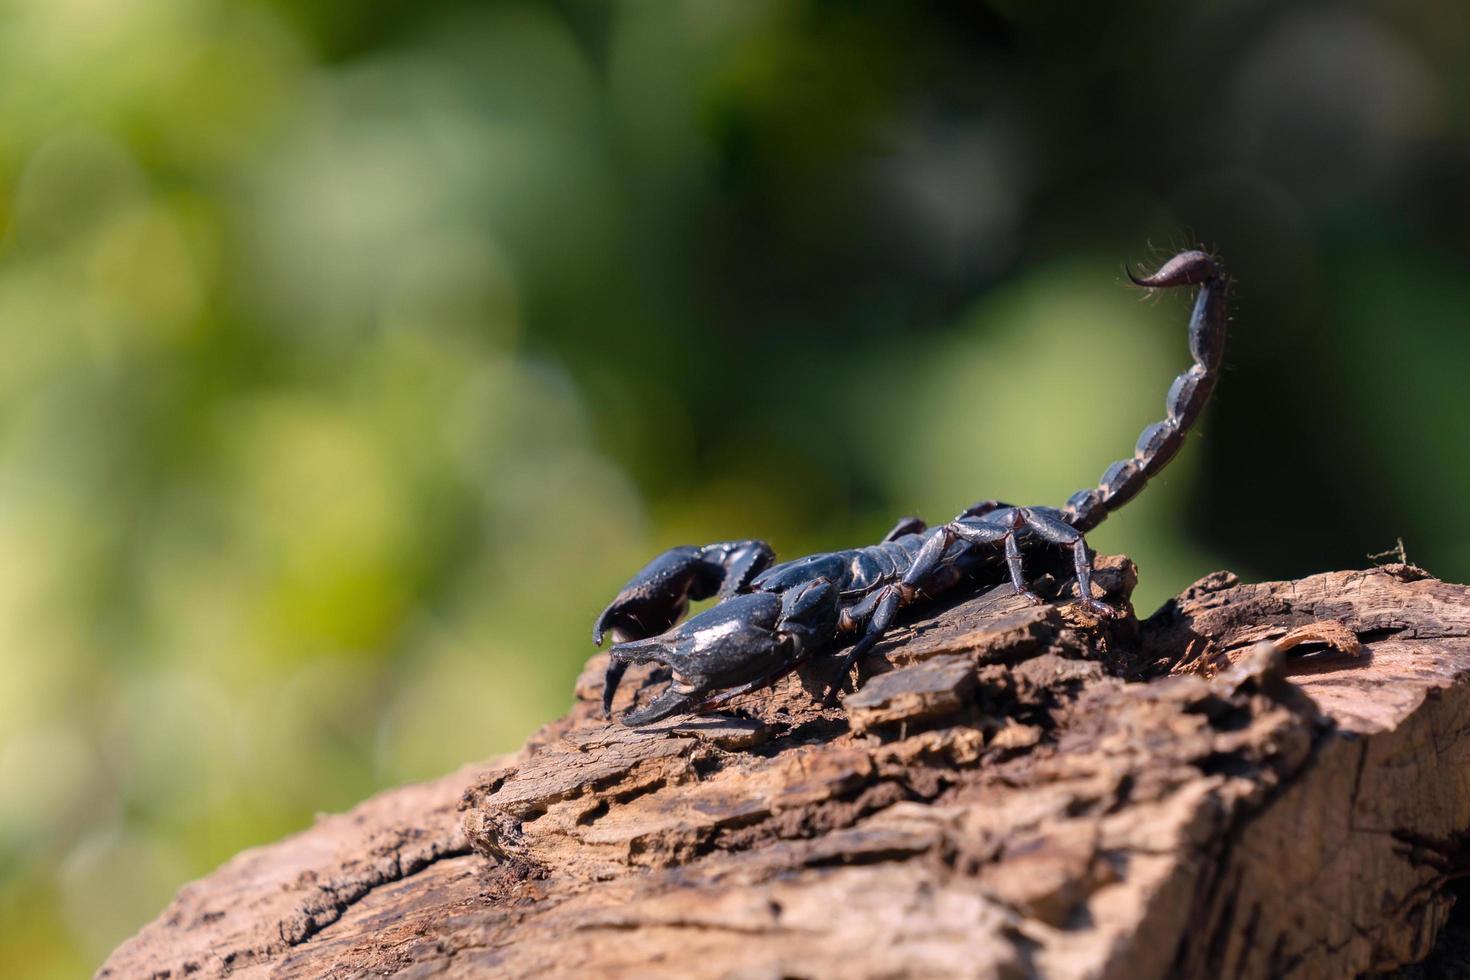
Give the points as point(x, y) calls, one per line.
point(770, 618)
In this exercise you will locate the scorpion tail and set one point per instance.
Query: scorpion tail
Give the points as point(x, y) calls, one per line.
point(1187, 396)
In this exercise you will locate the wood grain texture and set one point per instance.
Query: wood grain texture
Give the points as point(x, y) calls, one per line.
point(1260, 780)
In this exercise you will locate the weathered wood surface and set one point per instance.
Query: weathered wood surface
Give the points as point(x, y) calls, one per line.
point(1261, 780)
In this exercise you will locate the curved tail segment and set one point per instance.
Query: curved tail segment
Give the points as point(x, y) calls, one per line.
point(1120, 482)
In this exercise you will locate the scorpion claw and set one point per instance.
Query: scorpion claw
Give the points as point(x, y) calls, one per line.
point(670, 702)
point(733, 644)
point(658, 596)
point(655, 598)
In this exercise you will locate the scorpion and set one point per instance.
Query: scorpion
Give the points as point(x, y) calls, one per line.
point(769, 619)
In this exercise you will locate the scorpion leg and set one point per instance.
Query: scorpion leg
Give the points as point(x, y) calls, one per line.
point(886, 605)
point(880, 608)
point(1059, 532)
point(1013, 565)
point(658, 596)
point(976, 530)
point(905, 525)
point(1002, 523)
point(981, 509)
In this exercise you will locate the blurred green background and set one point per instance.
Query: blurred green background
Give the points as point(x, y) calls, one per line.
point(355, 352)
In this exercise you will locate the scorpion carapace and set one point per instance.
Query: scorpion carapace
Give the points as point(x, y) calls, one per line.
point(772, 617)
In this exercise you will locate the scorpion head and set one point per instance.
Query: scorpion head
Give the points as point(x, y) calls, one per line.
point(735, 643)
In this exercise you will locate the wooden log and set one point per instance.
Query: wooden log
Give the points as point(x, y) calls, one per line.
point(1258, 781)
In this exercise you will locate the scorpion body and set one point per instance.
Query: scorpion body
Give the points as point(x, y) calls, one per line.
point(772, 617)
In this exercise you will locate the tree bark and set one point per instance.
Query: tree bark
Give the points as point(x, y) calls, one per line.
point(1258, 781)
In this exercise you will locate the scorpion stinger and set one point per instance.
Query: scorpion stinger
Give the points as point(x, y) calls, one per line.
point(768, 621)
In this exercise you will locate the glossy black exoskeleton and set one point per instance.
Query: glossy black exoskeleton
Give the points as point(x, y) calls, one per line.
point(772, 617)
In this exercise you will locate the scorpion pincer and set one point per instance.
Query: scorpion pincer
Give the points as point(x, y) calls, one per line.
point(770, 618)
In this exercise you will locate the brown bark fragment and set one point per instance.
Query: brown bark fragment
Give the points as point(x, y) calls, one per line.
point(1260, 780)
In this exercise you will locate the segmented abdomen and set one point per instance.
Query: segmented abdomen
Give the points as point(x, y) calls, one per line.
point(854, 570)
